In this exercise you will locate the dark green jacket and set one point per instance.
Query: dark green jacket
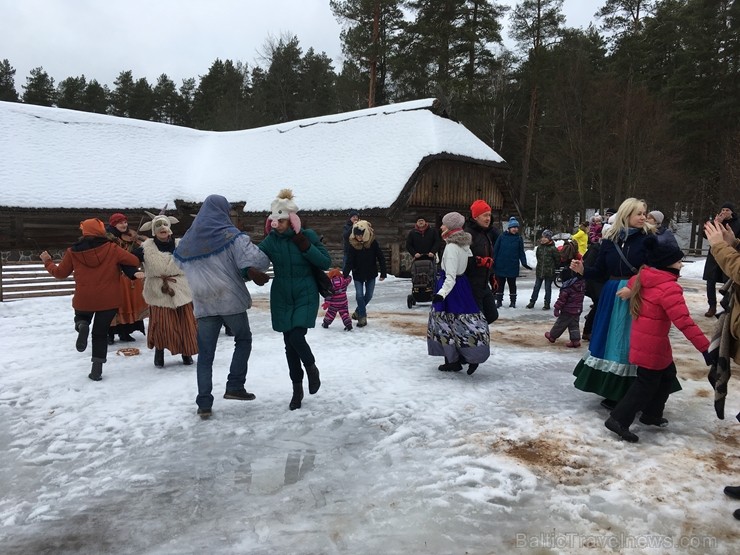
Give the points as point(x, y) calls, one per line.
point(548, 258)
point(294, 297)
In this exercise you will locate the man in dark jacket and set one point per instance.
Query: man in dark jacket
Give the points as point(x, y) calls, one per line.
point(422, 241)
point(712, 272)
point(354, 215)
point(363, 260)
point(479, 271)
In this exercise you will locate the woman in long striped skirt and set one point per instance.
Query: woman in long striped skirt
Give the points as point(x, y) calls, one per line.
point(172, 324)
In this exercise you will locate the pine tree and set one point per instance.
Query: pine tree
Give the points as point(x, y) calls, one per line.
point(7, 82)
point(121, 96)
point(317, 95)
point(96, 98)
point(71, 93)
point(39, 88)
point(166, 100)
point(220, 101)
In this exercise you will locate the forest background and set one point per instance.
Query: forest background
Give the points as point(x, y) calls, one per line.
point(644, 103)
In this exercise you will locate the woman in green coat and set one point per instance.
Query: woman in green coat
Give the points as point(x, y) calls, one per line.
point(294, 296)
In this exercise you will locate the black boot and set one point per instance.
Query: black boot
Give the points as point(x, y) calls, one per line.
point(83, 329)
point(111, 338)
point(499, 299)
point(159, 358)
point(96, 373)
point(314, 383)
point(187, 360)
point(512, 299)
point(295, 401)
point(125, 336)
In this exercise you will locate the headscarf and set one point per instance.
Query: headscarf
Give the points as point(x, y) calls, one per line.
point(211, 232)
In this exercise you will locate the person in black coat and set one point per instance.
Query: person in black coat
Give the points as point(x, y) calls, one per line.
point(712, 272)
point(479, 270)
point(353, 217)
point(363, 260)
point(423, 241)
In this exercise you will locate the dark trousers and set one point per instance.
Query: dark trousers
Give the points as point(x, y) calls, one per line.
point(502, 283)
point(297, 350)
point(648, 393)
point(486, 303)
point(567, 321)
point(588, 324)
point(711, 292)
point(100, 320)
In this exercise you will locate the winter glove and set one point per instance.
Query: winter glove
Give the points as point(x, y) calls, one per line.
point(301, 241)
point(295, 222)
point(483, 261)
point(260, 278)
point(437, 298)
point(325, 306)
point(556, 312)
point(709, 358)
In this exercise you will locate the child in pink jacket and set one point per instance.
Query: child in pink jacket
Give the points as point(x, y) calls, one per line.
point(656, 301)
point(338, 302)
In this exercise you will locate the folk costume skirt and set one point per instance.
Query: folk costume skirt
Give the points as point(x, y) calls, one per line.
point(457, 329)
point(605, 368)
point(174, 329)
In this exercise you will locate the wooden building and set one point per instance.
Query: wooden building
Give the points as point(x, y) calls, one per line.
point(393, 164)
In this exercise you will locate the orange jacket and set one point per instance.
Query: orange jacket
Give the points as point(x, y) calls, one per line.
point(97, 272)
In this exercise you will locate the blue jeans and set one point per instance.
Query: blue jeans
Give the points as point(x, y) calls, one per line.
point(209, 328)
point(363, 293)
point(536, 291)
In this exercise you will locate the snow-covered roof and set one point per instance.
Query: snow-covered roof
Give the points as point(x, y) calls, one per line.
point(56, 158)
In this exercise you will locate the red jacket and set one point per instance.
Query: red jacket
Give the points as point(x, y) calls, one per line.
point(662, 303)
point(97, 275)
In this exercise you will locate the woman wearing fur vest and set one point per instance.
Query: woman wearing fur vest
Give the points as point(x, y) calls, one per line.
point(457, 329)
point(172, 324)
point(364, 258)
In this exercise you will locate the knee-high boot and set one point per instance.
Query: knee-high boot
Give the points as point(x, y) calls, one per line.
point(295, 401)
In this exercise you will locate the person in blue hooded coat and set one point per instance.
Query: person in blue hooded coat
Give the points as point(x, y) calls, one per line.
point(508, 253)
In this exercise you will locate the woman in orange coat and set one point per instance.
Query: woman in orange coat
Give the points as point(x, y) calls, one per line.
point(96, 263)
point(133, 308)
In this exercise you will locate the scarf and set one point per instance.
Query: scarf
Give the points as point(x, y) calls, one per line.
point(719, 349)
point(211, 232)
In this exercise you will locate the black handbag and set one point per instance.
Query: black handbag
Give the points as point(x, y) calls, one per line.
point(323, 282)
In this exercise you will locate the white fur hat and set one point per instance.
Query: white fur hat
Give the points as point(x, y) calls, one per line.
point(283, 205)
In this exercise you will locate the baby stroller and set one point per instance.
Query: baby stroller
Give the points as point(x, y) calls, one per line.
point(423, 273)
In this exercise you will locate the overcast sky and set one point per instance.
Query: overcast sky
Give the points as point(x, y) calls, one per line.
point(182, 38)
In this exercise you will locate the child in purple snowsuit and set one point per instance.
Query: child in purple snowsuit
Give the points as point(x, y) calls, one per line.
point(338, 301)
point(568, 310)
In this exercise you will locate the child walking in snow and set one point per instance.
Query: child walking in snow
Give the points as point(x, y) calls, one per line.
point(548, 258)
point(568, 310)
point(656, 301)
point(338, 302)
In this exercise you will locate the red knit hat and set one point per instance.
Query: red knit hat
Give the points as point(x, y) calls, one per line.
point(116, 219)
point(479, 207)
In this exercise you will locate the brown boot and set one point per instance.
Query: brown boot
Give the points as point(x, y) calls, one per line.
point(711, 312)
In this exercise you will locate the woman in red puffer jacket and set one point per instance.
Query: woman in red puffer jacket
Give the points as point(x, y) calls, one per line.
point(656, 301)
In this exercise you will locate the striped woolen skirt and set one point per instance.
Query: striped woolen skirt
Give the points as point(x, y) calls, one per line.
point(174, 329)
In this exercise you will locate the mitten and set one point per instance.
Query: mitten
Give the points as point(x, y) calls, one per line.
point(556, 312)
point(260, 278)
point(709, 358)
point(301, 241)
point(437, 298)
point(295, 222)
point(325, 306)
point(483, 261)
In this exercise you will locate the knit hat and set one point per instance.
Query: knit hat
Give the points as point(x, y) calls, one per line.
point(116, 219)
point(547, 234)
point(657, 215)
point(609, 211)
point(353, 213)
point(512, 222)
point(282, 206)
point(661, 254)
point(728, 205)
point(92, 227)
point(479, 207)
point(455, 220)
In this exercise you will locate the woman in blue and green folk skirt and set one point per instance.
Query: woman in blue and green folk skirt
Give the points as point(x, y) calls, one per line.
point(605, 368)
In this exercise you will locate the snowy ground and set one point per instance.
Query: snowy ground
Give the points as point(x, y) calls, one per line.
point(391, 456)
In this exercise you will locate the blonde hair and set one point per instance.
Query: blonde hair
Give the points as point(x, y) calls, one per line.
point(636, 298)
point(622, 218)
